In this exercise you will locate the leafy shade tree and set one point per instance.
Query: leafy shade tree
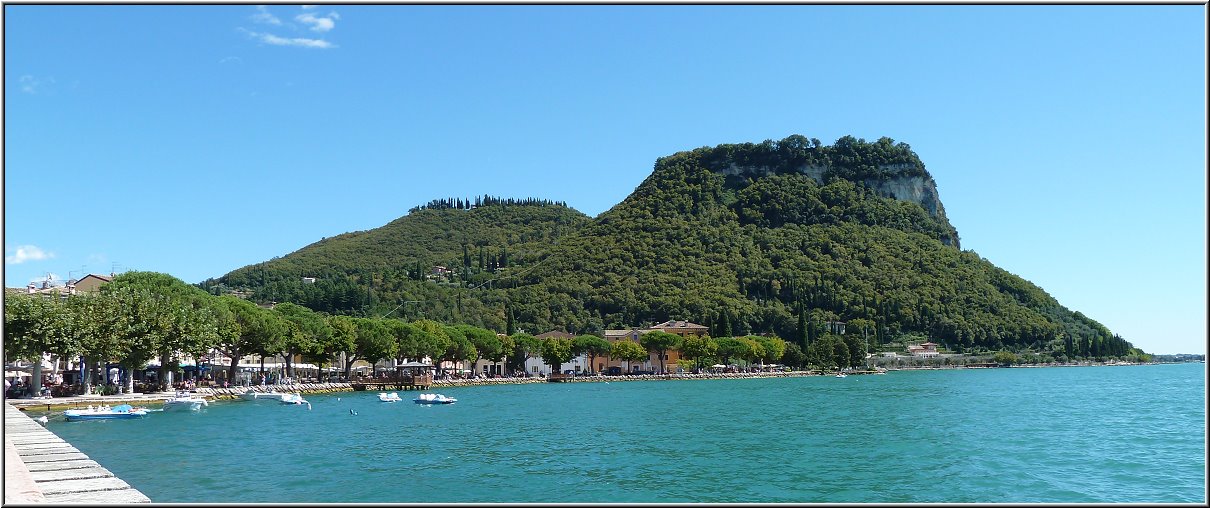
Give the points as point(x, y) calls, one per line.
point(439, 345)
point(773, 348)
point(33, 326)
point(139, 325)
point(249, 329)
point(374, 341)
point(729, 348)
point(507, 346)
point(271, 338)
point(556, 351)
point(460, 348)
point(309, 331)
point(591, 346)
point(698, 348)
point(487, 344)
point(793, 356)
point(342, 339)
point(856, 350)
point(176, 319)
point(659, 342)
point(526, 346)
point(1005, 358)
point(829, 352)
point(752, 349)
point(627, 351)
point(102, 329)
point(862, 328)
point(411, 342)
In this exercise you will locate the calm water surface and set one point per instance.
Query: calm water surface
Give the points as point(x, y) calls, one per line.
point(1069, 434)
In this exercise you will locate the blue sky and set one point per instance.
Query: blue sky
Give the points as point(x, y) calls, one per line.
point(1068, 142)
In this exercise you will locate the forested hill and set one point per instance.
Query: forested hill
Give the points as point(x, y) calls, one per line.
point(785, 236)
point(777, 237)
point(374, 272)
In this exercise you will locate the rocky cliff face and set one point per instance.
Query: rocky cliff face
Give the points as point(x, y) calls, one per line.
point(921, 190)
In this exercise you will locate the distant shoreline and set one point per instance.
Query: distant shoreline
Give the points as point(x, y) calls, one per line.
point(233, 393)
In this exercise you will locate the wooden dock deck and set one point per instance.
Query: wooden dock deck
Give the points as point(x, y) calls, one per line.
point(393, 383)
point(40, 467)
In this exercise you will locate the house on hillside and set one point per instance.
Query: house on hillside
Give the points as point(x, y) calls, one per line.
point(925, 350)
point(836, 327)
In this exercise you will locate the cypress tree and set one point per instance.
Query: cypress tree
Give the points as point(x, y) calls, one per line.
point(510, 328)
point(724, 325)
point(804, 336)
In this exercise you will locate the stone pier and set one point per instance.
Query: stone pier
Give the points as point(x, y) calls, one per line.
point(40, 467)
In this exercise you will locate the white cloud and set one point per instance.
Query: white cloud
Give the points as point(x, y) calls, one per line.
point(31, 84)
point(309, 6)
point(27, 253)
point(262, 16)
point(318, 23)
point(235, 59)
point(290, 41)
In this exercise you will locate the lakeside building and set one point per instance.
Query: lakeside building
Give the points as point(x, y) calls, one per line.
point(652, 363)
point(925, 350)
point(536, 366)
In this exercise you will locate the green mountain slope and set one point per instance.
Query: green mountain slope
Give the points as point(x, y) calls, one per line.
point(755, 234)
point(745, 238)
point(391, 269)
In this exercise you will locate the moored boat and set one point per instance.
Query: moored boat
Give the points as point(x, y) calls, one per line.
point(389, 397)
point(284, 398)
point(434, 398)
point(184, 401)
point(293, 398)
point(118, 412)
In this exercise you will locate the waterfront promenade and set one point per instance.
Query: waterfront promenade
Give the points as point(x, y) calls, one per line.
point(231, 393)
point(40, 467)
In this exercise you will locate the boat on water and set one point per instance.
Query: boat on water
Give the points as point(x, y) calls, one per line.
point(184, 401)
point(389, 397)
point(295, 399)
point(841, 374)
point(434, 398)
point(118, 412)
point(283, 398)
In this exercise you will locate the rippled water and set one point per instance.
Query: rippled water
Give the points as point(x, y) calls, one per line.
point(1074, 434)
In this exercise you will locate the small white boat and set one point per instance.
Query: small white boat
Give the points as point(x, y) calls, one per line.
point(283, 398)
point(121, 411)
point(841, 374)
point(389, 397)
point(293, 398)
point(184, 401)
point(434, 398)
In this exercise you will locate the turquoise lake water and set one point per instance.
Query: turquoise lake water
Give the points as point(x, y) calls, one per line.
point(1064, 435)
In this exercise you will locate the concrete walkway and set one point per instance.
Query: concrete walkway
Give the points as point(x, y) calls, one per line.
point(40, 467)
